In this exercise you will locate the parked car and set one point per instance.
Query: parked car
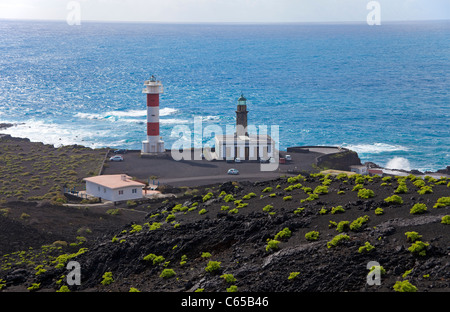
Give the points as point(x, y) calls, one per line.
point(233, 171)
point(116, 158)
point(120, 151)
point(288, 157)
point(238, 160)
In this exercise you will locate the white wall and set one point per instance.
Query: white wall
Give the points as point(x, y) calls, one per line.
point(96, 190)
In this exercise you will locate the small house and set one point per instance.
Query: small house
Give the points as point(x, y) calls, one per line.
point(360, 169)
point(115, 187)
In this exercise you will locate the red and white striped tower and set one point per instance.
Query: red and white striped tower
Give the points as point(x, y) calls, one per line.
point(154, 143)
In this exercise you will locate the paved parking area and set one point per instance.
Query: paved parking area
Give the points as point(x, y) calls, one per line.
point(200, 172)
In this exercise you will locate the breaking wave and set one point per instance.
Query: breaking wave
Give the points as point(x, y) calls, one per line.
point(375, 148)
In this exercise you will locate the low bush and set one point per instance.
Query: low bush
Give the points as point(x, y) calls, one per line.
point(208, 196)
point(445, 219)
point(107, 279)
point(419, 248)
point(267, 189)
point(425, 190)
point(342, 226)
point(379, 211)
point(419, 183)
point(213, 267)
point(404, 286)
point(337, 209)
point(442, 202)
point(229, 278)
point(394, 199)
point(365, 193)
point(286, 198)
point(418, 208)
point(285, 233)
point(338, 239)
point(267, 208)
point(401, 189)
point(293, 275)
point(312, 236)
point(366, 248)
point(321, 189)
point(167, 273)
point(358, 223)
point(412, 236)
point(272, 245)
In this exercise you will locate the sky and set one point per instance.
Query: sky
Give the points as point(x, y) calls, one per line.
point(224, 11)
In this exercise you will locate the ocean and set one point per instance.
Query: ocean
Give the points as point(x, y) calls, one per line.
point(383, 91)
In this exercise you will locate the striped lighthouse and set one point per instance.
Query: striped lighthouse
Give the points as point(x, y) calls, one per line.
point(154, 144)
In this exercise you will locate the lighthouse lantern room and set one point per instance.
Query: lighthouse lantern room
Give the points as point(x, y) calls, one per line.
point(154, 144)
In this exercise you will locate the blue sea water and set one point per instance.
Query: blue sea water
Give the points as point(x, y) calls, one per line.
point(383, 91)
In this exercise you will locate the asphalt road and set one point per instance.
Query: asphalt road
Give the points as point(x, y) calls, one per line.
point(200, 172)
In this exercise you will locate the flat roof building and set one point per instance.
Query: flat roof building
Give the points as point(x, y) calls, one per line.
point(115, 187)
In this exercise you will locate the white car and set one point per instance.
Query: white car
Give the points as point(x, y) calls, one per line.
point(233, 171)
point(116, 158)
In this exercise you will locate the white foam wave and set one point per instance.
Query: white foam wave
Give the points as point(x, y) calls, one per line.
point(399, 163)
point(119, 115)
point(172, 121)
point(375, 148)
point(58, 135)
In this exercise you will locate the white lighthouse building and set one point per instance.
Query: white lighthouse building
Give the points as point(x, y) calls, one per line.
point(154, 144)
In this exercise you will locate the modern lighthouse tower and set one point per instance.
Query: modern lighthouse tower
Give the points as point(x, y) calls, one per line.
point(154, 144)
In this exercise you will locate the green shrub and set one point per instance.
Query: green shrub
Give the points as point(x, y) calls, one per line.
point(342, 226)
point(131, 204)
point(379, 211)
point(267, 208)
point(228, 198)
point(167, 273)
point(341, 192)
point(418, 208)
point(311, 197)
point(404, 286)
point(170, 217)
point(419, 248)
point(107, 279)
point(206, 255)
point(232, 288)
point(445, 219)
point(394, 199)
point(425, 190)
point(299, 210)
point(213, 266)
point(249, 195)
point(34, 286)
point(337, 209)
point(323, 211)
point(365, 193)
point(203, 211)
point(358, 223)
point(366, 248)
point(419, 183)
point(293, 275)
point(286, 198)
point(208, 196)
point(272, 245)
point(285, 233)
point(224, 208)
point(267, 189)
point(337, 240)
point(233, 211)
point(321, 189)
point(401, 189)
point(272, 195)
point(229, 278)
point(442, 202)
point(357, 187)
point(136, 228)
point(312, 236)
